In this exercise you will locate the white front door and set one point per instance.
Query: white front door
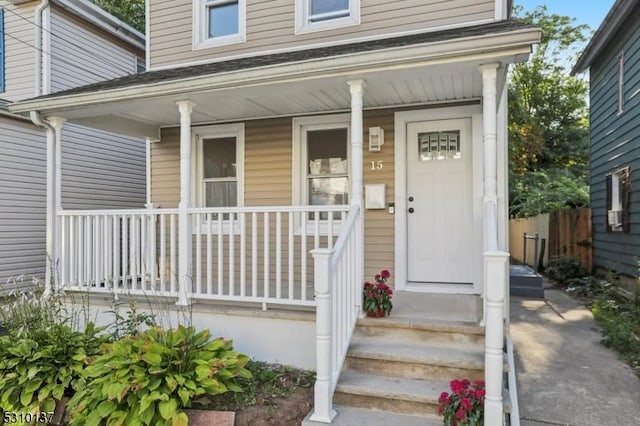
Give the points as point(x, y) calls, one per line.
point(439, 202)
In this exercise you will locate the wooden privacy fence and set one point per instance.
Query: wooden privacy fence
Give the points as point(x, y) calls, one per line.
point(567, 233)
point(570, 235)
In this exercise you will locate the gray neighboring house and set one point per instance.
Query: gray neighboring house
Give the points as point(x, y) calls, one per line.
point(74, 43)
point(613, 60)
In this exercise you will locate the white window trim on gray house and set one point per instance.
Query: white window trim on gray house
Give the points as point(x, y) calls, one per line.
point(307, 23)
point(201, 38)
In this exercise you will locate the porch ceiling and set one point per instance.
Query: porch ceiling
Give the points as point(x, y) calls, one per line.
point(442, 83)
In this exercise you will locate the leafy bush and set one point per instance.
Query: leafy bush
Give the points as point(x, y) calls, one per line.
point(565, 268)
point(620, 321)
point(37, 370)
point(146, 379)
point(131, 323)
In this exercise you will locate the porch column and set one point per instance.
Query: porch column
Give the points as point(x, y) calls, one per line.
point(494, 261)
point(56, 247)
point(184, 226)
point(356, 88)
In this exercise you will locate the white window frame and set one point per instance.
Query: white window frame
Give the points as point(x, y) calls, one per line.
point(199, 134)
point(201, 40)
point(301, 126)
point(303, 23)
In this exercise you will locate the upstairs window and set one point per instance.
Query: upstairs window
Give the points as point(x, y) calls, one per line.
point(218, 23)
point(319, 15)
point(1, 50)
point(618, 200)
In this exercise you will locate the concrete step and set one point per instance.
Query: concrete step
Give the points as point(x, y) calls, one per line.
point(393, 329)
point(350, 416)
point(437, 306)
point(525, 282)
point(438, 362)
point(391, 394)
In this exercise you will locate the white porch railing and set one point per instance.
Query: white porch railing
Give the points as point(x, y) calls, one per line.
point(261, 254)
point(118, 250)
point(338, 285)
point(245, 254)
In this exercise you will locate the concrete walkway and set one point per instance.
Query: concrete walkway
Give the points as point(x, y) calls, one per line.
point(565, 375)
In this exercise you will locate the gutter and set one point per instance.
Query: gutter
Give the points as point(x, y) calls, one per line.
point(514, 43)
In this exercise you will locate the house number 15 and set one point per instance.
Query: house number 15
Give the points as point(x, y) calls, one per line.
point(377, 165)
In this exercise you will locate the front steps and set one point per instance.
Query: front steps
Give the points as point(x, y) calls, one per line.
point(400, 365)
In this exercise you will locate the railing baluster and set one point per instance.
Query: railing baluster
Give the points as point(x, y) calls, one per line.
point(163, 253)
point(254, 254)
point(73, 250)
point(232, 254)
point(266, 255)
point(97, 256)
point(88, 260)
point(303, 257)
point(209, 255)
point(290, 252)
point(63, 251)
point(125, 251)
point(143, 252)
point(330, 230)
point(104, 276)
point(133, 247)
point(198, 224)
point(172, 254)
point(116, 255)
point(278, 255)
point(152, 251)
point(220, 253)
point(316, 229)
point(243, 255)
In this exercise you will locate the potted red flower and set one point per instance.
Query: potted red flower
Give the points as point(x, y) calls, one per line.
point(465, 405)
point(377, 296)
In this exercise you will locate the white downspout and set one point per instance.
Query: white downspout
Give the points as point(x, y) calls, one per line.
point(38, 21)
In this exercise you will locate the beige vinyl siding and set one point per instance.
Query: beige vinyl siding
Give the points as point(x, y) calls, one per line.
point(22, 200)
point(81, 54)
point(270, 26)
point(268, 182)
point(102, 170)
point(20, 51)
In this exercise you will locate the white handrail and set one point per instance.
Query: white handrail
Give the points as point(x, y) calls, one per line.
point(338, 288)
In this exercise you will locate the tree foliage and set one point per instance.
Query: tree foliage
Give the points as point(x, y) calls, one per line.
point(548, 121)
point(130, 11)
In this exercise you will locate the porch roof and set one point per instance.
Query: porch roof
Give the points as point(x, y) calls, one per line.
point(249, 87)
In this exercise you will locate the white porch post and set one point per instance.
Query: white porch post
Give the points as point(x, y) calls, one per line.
point(356, 88)
point(494, 260)
point(184, 226)
point(56, 152)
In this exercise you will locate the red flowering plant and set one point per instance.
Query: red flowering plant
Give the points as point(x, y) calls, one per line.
point(465, 405)
point(377, 296)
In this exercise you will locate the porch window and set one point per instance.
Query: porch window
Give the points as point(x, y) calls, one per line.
point(218, 23)
point(318, 15)
point(321, 153)
point(618, 185)
point(219, 167)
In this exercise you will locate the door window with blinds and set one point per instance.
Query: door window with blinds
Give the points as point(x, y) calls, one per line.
point(443, 145)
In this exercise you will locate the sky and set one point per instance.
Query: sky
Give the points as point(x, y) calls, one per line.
point(590, 12)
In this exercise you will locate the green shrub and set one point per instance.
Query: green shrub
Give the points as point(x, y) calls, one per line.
point(39, 369)
point(146, 379)
point(565, 268)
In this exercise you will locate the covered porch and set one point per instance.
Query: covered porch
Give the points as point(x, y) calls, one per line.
point(290, 254)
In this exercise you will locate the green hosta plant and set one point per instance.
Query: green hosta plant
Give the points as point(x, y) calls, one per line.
point(148, 378)
point(39, 369)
